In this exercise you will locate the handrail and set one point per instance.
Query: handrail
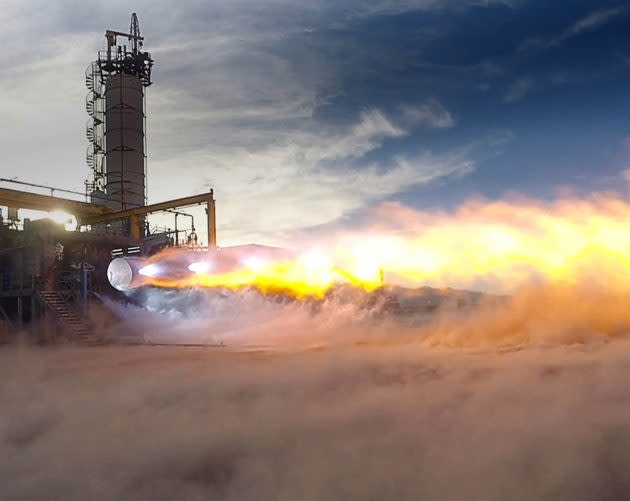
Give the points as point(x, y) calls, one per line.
point(29, 284)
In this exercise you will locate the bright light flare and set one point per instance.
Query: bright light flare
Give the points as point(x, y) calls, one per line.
point(150, 270)
point(60, 217)
point(201, 267)
point(254, 263)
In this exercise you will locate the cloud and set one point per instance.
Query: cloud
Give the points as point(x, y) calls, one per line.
point(591, 22)
point(310, 177)
point(373, 127)
point(430, 114)
point(595, 20)
point(519, 89)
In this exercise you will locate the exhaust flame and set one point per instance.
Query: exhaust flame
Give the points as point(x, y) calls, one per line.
point(492, 246)
point(201, 267)
point(308, 276)
point(150, 270)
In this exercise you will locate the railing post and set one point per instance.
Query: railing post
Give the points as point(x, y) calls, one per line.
point(20, 310)
point(84, 290)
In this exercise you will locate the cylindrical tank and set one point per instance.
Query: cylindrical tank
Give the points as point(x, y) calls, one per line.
point(99, 197)
point(124, 141)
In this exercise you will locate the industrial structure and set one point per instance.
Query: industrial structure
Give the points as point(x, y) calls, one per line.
point(50, 277)
point(115, 129)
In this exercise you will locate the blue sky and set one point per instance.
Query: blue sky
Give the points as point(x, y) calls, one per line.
point(304, 115)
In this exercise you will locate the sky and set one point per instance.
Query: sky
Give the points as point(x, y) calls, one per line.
point(307, 115)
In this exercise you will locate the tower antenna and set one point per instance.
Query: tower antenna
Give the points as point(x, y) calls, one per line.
point(134, 31)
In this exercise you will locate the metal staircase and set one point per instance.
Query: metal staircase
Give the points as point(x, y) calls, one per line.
point(94, 129)
point(75, 325)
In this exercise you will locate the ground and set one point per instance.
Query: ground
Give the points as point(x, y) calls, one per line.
point(359, 421)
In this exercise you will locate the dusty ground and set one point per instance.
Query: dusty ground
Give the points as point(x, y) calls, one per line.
point(356, 422)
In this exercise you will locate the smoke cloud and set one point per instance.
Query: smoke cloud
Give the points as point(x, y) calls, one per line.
point(362, 423)
point(543, 314)
point(514, 398)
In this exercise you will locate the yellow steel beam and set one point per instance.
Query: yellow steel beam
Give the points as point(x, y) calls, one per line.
point(147, 209)
point(212, 223)
point(35, 201)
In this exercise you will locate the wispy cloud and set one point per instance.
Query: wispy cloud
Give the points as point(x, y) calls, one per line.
point(519, 89)
point(587, 23)
point(430, 114)
point(595, 20)
point(310, 177)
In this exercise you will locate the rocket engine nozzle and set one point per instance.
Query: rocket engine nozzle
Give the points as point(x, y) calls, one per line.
point(124, 273)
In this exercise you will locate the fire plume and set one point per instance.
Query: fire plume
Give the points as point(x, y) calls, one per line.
point(493, 246)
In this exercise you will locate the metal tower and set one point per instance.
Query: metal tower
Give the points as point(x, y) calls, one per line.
point(115, 130)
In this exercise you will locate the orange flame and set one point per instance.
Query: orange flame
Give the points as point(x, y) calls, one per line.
point(496, 246)
point(310, 275)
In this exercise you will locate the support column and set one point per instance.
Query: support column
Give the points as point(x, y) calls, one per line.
point(84, 290)
point(212, 222)
point(20, 310)
point(135, 226)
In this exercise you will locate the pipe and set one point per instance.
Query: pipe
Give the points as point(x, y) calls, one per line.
point(176, 230)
